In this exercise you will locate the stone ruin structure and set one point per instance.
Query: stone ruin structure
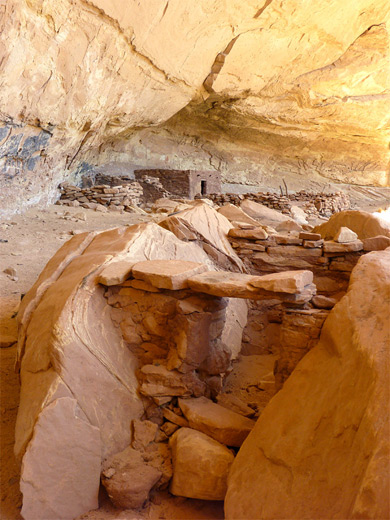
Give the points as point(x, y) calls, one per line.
point(185, 183)
point(126, 345)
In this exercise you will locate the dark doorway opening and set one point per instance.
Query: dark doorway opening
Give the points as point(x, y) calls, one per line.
point(203, 187)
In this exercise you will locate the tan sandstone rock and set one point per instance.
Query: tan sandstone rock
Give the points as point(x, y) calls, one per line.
point(44, 493)
point(262, 213)
point(320, 449)
point(167, 274)
point(128, 479)
point(70, 348)
point(216, 421)
point(288, 281)
point(236, 214)
point(376, 243)
point(200, 465)
point(345, 235)
point(364, 224)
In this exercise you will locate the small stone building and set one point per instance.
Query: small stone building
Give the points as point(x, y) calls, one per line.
point(184, 183)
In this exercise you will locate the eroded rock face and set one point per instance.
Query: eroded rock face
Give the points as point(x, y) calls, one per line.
point(321, 447)
point(106, 71)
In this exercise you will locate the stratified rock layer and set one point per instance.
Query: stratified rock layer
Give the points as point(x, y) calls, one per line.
point(252, 91)
point(321, 447)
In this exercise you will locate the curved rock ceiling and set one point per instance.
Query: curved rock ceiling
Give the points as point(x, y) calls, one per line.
point(253, 89)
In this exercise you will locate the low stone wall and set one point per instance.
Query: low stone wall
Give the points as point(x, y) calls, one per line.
point(331, 262)
point(114, 198)
point(314, 204)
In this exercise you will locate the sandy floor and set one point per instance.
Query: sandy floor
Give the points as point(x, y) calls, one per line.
point(27, 242)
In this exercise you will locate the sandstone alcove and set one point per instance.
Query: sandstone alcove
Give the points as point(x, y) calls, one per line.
point(194, 259)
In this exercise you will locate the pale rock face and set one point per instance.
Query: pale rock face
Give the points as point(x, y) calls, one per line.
point(79, 458)
point(295, 89)
point(321, 446)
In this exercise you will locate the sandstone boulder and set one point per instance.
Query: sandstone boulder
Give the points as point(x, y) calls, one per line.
point(236, 214)
point(364, 224)
point(210, 229)
point(200, 465)
point(321, 446)
point(262, 213)
point(218, 422)
point(69, 348)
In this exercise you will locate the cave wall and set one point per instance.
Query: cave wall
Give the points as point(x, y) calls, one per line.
point(253, 90)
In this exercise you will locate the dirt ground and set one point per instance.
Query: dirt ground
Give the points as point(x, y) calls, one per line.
point(27, 242)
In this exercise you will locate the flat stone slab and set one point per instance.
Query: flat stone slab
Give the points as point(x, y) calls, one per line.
point(376, 243)
point(200, 465)
point(306, 235)
point(257, 233)
point(235, 214)
point(116, 272)
point(225, 284)
point(335, 247)
point(293, 251)
point(291, 282)
point(238, 285)
point(167, 274)
point(218, 422)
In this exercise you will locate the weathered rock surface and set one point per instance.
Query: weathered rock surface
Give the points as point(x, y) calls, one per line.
point(364, 224)
point(70, 348)
point(236, 214)
point(221, 424)
point(200, 465)
point(76, 455)
point(321, 446)
point(262, 213)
